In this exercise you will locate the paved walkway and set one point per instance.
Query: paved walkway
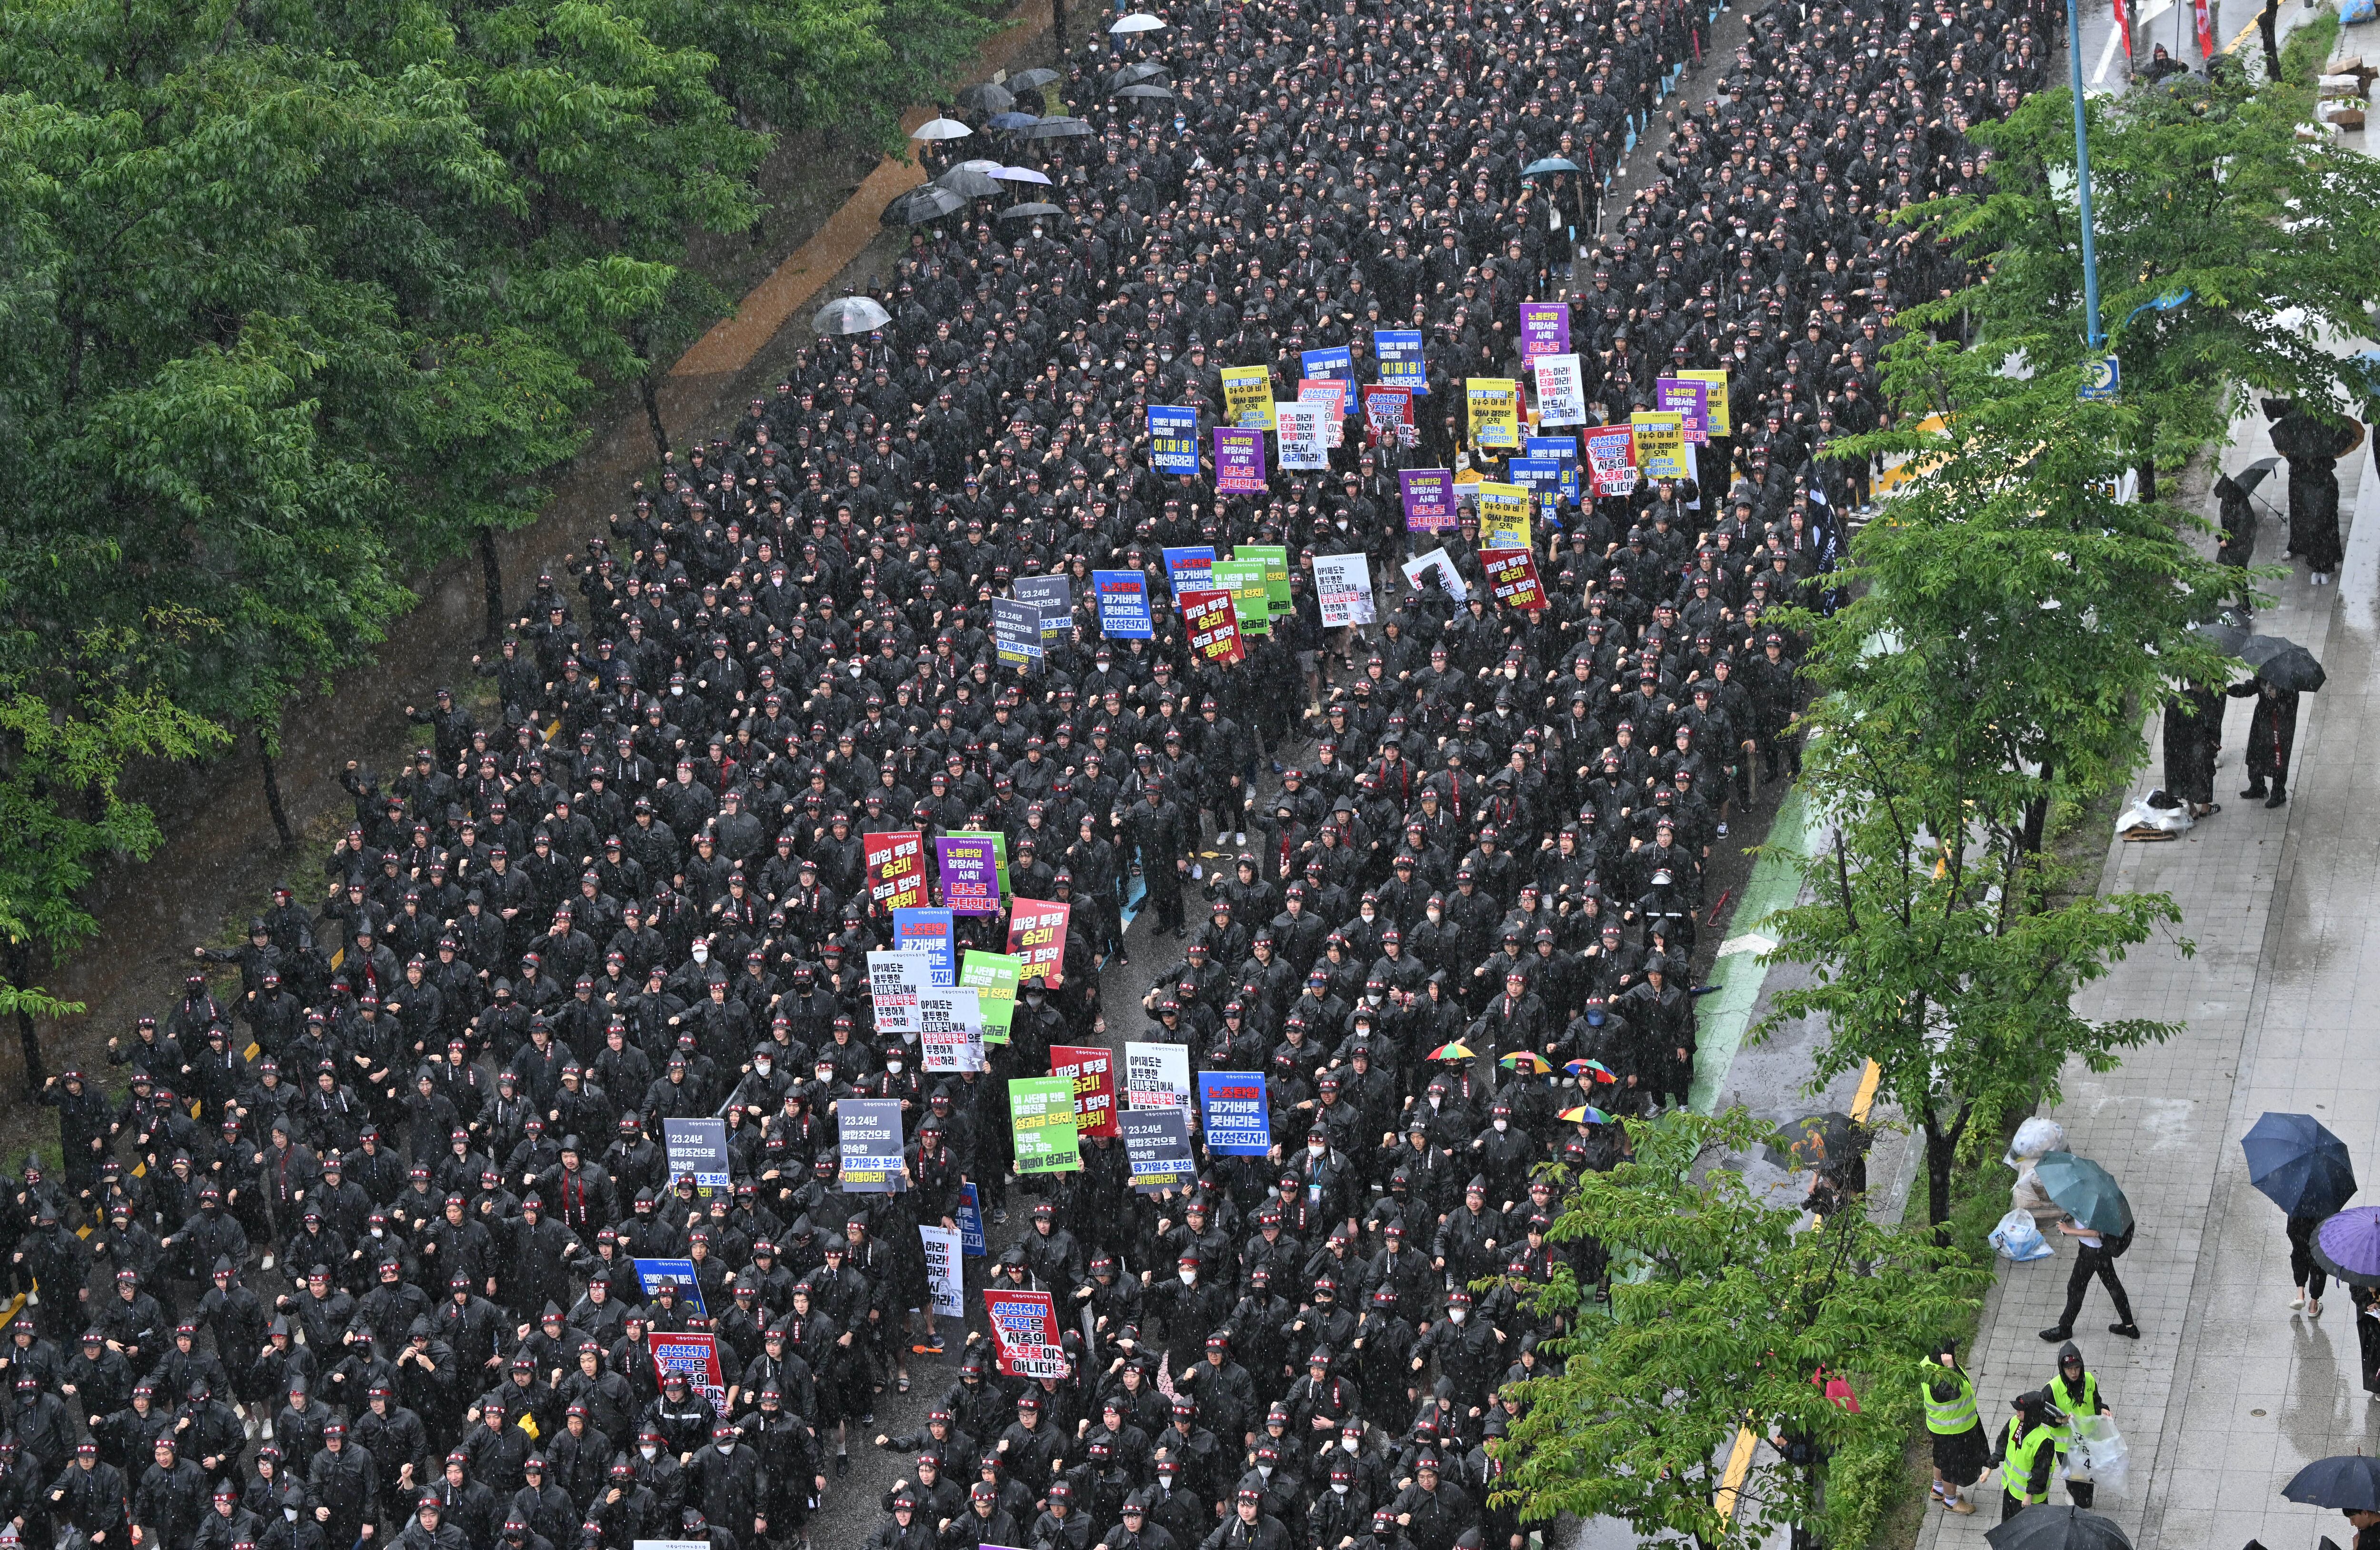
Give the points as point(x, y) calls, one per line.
point(2228, 1392)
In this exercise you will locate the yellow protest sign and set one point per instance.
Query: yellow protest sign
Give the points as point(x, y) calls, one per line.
point(1495, 411)
point(1720, 422)
point(1247, 397)
point(1503, 515)
point(1660, 444)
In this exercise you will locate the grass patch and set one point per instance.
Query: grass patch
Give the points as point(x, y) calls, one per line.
point(2305, 50)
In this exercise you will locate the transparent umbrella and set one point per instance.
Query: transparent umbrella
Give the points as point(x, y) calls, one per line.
point(1019, 175)
point(1140, 22)
point(941, 128)
point(850, 314)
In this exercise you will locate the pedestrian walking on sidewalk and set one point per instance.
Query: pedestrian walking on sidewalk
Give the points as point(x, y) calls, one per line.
point(2027, 1453)
point(2094, 1255)
point(2367, 1334)
point(2076, 1391)
point(2272, 733)
point(2308, 1276)
point(1960, 1445)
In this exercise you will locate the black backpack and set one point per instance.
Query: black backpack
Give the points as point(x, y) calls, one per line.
point(2115, 1247)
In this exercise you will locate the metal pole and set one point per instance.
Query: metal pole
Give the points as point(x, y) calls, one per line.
point(2083, 179)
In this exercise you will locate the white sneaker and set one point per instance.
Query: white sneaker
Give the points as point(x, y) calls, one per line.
point(2299, 1301)
point(268, 1262)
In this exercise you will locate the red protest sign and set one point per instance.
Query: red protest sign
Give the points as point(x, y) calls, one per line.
point(1092, 1070)
point(1513, 576)
point(896, 870)
point(1212, 625)
point(1025, 1333)
point(696, 1356)
point(1036, 933)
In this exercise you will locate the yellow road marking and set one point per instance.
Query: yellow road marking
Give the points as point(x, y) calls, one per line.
point(1739, 1464)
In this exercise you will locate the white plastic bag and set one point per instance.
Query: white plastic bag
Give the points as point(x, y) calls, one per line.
point(2033, 1138)
point(2100, 1455)
point(2018, 1238)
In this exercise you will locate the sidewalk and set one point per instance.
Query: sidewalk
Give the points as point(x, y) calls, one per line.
point(2227, 1393)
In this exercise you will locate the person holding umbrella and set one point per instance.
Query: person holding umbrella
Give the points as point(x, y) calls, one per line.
point(2349, 1481)
point(1960, 1446)
point(2348, 1246)
point(2100, 1220)
point(2272, 733)
point(2027, 1452)
point(2300, 1166)
point(2075, 1390)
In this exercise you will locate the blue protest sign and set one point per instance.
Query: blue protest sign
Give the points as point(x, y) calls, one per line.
point(1124, 605)
point(1334, 365)
point(1191, 569)
point(1542, 477)
point(1233, 1113)
point(970, 1220)
point(1399, 354)
point(651, 1273)
point(1016, 633)
point(930, 932)
point(1174, 440)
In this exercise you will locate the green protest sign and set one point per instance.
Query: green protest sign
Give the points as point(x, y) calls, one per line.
point(993, 978)
point(1041, 1112)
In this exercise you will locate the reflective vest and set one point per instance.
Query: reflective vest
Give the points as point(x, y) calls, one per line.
point(2016, 1475)
point(1951, 1417)
point(2079, 1407)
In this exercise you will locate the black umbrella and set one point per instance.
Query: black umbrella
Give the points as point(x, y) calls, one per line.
point(2249, 478)
point(1056, 129)
point(2350, 1483)
point(920, 205)
point(2222, 635)
point(967, 182)
point(2283, 663)
point(2057, 1527)
point(1145, 92)
point(1816, 1140)
point(1133, 74)
point(1038, 207)
point(1032, 80)
point(986, 97)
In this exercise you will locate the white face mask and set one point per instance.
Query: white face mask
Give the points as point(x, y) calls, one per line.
point(1189, 1277)
point(648, 1452)
point(1434, 915)
point(289, 1514)
point(1265, 1470)
point(1434, 1101)
point(893, 1065)
point(1502, 1125)
point(726, 1446)
point(1315, 1149)
point(1458, 1315)
point(677, 690)
point(1350, 1443)
point(702, 951)
point(1338, 1487)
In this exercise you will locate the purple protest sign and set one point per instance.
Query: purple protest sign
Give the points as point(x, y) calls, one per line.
point(1429, 498)
point(969, 869)
point(1545, 329)
point(1239, 462)
point(1690, 397)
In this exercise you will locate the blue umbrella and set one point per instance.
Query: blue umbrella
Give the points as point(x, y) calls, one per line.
point(1549, 164)
point(2087, 1192)
point(2297, 1165)
point(1010, 121)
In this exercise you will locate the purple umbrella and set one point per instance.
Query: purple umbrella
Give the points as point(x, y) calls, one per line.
point(2348, 1245)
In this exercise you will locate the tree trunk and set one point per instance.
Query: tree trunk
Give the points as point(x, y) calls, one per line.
point(1941, 1151)
point(2036, 815)
point(2147, 456)
point(492, 582)
point(1057, 25)
point(29, 1038)
point(273, 790)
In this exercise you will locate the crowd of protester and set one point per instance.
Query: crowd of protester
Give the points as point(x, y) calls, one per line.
point(349, 1259)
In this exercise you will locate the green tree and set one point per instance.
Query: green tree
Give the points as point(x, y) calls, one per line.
point(2199, 189)
point(2011, 624)
point(1723, 1307)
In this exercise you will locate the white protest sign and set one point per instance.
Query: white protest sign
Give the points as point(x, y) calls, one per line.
point(945, 1272)
point(894, 982)
point(1156, 1075)
point(1436, 560)
point(950, 1023)
point(1342, 583)
point(1561, 391)
point(1304, 438)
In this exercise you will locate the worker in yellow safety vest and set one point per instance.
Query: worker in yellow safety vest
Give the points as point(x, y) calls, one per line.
point(1960, 1445)
point(2027, 1453)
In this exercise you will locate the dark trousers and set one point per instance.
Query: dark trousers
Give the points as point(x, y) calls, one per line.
point(2088, 1263)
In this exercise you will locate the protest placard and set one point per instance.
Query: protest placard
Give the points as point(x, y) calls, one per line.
point(1251, 604)
point(697, 1147)
point(1091, 1068)
point(1330, 396)
point(951, 1030)
point(945, 1270)
point(1610, 460)
point(1036, 933)
point(1334, 364)
point(1240, 462)
point(969, 869)
point(1716, 411)
point(1174, 440)
point(1503, 515)
point(993, 977)
point(1124, 605)
point(1545, 329)
point(1016, 633)
point(869, 1140)
point(1156, 1075)
point(1513, 577)
point(1304, 443)
point(896, 868)
point(1211, 622)
point(1561, 390)
point(1041, 1115)
point(1024, 1332)
point(1399, 353)
point(1233, 1113)
point(1437, 566)
point(931, 932)
point(1342, 586)
point(696, 1356)
point(1429, 495)
point(1495, 411)
point(1190, 569)
point(1156, 1149)
point(895, 981)
point(1685, 397)
point(1247, 397)
point(1275, 559)
point(1660, 439)
point(651, 1273)
point(1388, 411)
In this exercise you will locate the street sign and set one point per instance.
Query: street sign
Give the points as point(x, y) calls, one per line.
point(2101, 378)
